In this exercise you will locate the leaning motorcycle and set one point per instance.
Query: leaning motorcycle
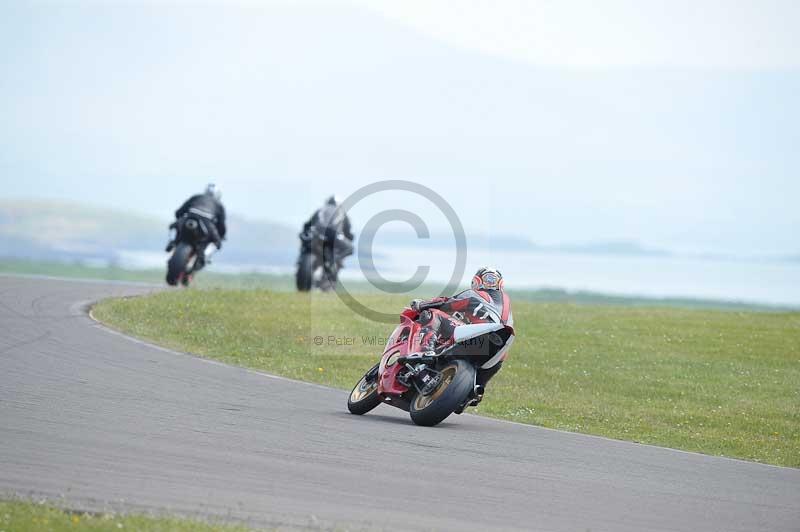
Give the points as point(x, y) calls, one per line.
point(191, 238)
point(321, 252)
point(431, 385)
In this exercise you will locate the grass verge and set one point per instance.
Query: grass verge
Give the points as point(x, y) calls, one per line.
point(20, 516)
point(717, 382)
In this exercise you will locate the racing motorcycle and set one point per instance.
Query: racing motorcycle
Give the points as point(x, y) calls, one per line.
point(431, 385)
point(191, 238)
point(321, 252)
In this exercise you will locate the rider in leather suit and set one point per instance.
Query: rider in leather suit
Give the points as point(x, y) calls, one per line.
point(487, 286)
point(208, 207)
point(334, 221)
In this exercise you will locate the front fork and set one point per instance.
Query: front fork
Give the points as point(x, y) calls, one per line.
point(420, 375)
point(372, 374)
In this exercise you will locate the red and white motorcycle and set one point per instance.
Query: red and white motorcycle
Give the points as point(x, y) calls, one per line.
point(431, 385)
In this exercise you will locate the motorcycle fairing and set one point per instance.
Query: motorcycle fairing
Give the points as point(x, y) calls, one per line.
point(195, 235)
point(500, 355)
point(463, 333)
point(400, 343)
point(476, 317)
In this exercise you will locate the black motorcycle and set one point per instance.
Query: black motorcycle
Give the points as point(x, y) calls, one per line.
point(321, 253)
point(191, 239)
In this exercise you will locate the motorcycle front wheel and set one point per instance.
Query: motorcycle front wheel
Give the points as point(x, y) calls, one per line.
point(364, 396)
point(458, 380)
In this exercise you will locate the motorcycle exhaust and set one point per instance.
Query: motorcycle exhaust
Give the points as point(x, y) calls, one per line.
point(478, 390)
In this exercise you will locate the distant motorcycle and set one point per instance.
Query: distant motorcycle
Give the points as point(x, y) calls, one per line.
point(432, 385)
point(321, 252)
point(191, 239)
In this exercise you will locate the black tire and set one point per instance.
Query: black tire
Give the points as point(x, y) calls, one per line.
point(364, 396)
point(305, 272)
point(177, 263)
point(456, 387)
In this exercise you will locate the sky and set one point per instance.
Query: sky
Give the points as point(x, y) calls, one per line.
point(673, 124)
point(614, 33)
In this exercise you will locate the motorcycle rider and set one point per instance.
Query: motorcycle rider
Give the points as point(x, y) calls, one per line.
point(208, 207)
point(466, 306)
point(335, 222)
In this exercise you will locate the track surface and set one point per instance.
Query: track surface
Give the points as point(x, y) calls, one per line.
point(106, 422)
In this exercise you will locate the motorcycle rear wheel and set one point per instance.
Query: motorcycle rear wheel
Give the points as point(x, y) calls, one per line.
point(176, 267)
point(458, 380)
point(305, 272)
point(364, 396)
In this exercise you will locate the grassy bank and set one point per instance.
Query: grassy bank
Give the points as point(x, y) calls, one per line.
point(19, 516)
point(722, 383)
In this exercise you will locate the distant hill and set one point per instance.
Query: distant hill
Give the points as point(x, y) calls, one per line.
point(613, 247)
point(64, 231)
point(60, 230)
point(409, 239)
point(512, 243)
point(47, 230)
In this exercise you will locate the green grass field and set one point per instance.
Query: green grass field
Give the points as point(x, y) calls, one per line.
point(20, 516)
point(717, 382)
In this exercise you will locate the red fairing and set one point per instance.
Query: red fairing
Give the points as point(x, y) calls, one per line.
point(398, 345)
point(440, 357)
point(406, 338)
point(408, 313)
point(388, 384)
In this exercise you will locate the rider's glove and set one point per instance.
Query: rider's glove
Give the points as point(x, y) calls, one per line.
point(415, 304)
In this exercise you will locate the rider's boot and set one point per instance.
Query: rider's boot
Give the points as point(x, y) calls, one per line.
point(481, 379)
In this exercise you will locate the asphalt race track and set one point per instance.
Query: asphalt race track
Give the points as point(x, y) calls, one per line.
point(99, 421)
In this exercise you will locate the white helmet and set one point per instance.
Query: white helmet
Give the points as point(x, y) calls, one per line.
point(487, 278)
point(213, 190)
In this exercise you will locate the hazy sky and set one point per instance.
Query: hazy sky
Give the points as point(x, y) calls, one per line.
point(613, 33)
point(671, 123)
